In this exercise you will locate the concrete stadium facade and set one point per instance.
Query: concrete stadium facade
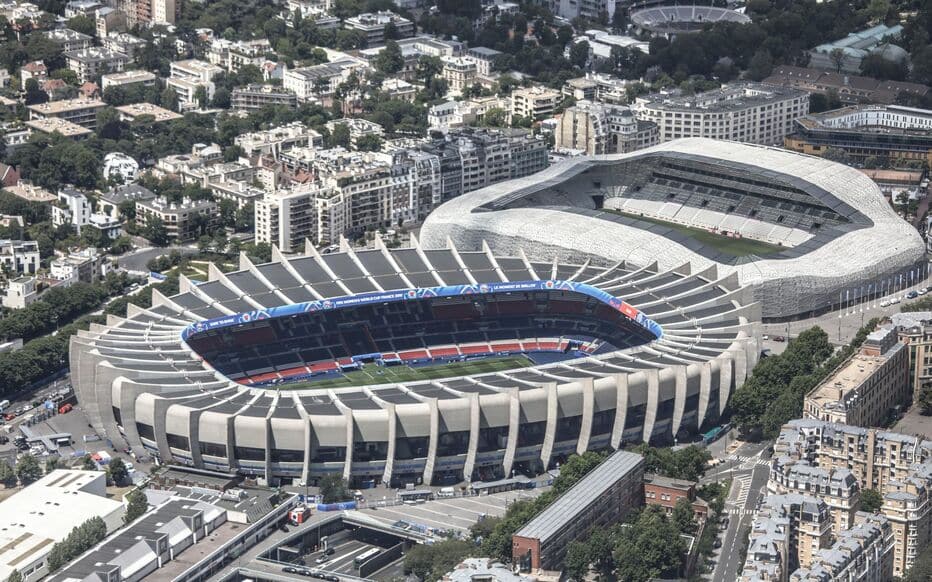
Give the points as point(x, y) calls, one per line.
point(141, 384)
point(850, 246)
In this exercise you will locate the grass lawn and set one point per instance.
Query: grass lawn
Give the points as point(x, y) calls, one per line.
point(736, 247)
point(372, 374)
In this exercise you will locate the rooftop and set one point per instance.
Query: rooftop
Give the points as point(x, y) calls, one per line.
point(137, 109)
point(733, 97)
point(34, 519)
point(56, 125)
point(66, 105)
point(588, 489)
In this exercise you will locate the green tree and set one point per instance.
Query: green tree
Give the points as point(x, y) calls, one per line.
point(88, 464)
point(369, 143)
point(334, 488)
point(28, 469)
point(200, 95)
point(7, 475)
point(51, 464)
point(117, 471)
point(14, 576)
point(871, 500)
point(82, 24)
point(221, 98)
point(155, 231)
point(579, 53)
point(576, 563)
point(339, 136)
point(390, 60)
point(650, 547)
point(683, 517)
point(431, 562)
point(169, 99)
point(760, 66)
point(924, 400)
point(136, 505)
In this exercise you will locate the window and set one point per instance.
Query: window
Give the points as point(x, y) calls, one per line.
point(145, 431)
point(249, 453)
point(213, 449)
point(178, 442)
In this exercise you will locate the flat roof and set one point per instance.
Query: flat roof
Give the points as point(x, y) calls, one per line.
point(159, 113)
point(44, 513)
point(53, 107)
point(56, 125)
point(845, 381)
point(584, 493)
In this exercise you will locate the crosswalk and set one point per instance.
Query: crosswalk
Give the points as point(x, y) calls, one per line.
point(739, 512)
point(748, 462)
point(744, 484)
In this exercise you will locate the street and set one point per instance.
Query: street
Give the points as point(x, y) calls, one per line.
point(138, 259)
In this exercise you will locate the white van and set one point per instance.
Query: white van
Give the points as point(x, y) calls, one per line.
point(4, 404)
point(447, 492)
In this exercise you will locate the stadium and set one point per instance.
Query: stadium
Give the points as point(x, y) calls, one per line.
point(416, 365)
point(670, 20)
point(805, 234)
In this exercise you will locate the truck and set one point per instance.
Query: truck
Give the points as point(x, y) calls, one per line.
point(4, 404)
point(299, 514)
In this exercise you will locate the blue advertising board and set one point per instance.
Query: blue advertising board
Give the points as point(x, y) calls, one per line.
point(420, 293)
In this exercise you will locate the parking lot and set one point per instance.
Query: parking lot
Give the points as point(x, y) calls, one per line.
point(456, 513)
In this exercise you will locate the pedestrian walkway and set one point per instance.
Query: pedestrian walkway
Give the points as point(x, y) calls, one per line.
point(744, 488)
point(738, 511)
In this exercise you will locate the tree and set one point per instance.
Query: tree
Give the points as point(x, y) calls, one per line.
point(7, 475)
point(334, 488)
point(82, 24)
point(88, 464)
point(431, 562)
point(117, 471)
point(169, 99)
point(15, 576)
point(28, 469)
point(339, 136)
point(871, 500)
point(369, 143)
point(683, 517)
point(200, 95)
point(924, 400)
point(136, 505)
point(837, 56)
point(576, 563)
point(221, 98)
point(34, 94)
point(390, 59)
point(650, 547)
point(51, 464)
point(760, 66)
point(155, 231)
point(579, 53)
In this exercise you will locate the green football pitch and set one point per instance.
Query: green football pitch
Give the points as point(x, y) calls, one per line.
point(373, 374)
point(736, 247)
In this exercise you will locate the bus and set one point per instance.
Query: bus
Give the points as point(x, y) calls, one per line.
point(410, 496)
point(365, 557)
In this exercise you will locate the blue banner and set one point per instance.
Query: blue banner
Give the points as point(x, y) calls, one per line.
point(420, 293)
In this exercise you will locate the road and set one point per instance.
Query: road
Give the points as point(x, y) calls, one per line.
point(137, 260)
point(747, 465)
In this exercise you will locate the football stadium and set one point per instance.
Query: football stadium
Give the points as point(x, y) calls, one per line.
point(805, 234)
point(416, 365)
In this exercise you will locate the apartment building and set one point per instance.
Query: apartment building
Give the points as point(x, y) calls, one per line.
point(84, 266)
point(20, 256)
point(156, 114)
point(358, 128)
point(863, 553)
point(233, 55)
point(286, 218)
point(459, 72)
point(787, 533)
point(897, 466)
point(20, 293)
point(183, 220)
point(372, 25)
point(484, 58)
point(90, 63)
point(78, 111)
point(273, 142)
point(596, 128)
point(309, 83)
point(891, 132)
point(746, 112)
point(72, 208)
point(838, 488)
point(915, 330)
point(868, 388)
point(127, 79)
point(604, 496)
point(187, 76)
point(666, 492)
point(254, 97)
point(123, 42)
point(69, 40)
point(534, 102)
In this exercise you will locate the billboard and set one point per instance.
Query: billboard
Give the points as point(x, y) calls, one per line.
point(419, 293)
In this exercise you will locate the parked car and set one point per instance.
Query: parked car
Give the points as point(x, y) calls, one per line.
point(779, 338)
point(912, 295)
point(322, 559)
point(923, 291)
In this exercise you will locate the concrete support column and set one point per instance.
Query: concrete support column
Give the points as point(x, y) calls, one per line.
point(679, 402)
point(514, 426)
point(194, 430)
point(392, 434)
point(474, 413)
point(585, 429)
point(550, 433)
point(621, 408)
point(705, 385)
point(653, 399)
point(348, 465)
point(432, 443)
point(725, 374)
